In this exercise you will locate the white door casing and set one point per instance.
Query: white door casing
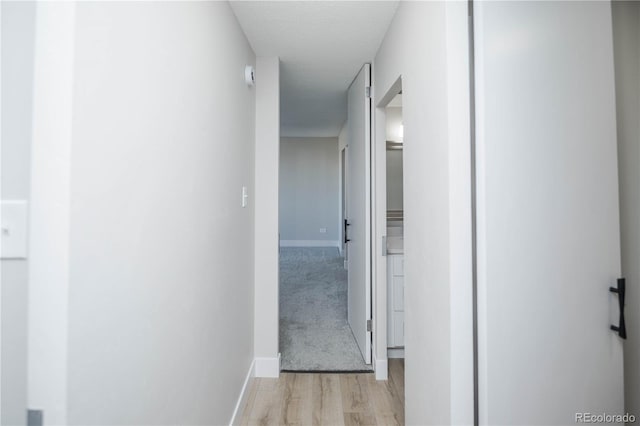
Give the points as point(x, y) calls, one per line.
point(359, 209)
point(344, 155)
point(548, 224)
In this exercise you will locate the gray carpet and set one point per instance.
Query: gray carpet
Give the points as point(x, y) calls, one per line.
point(314, 332)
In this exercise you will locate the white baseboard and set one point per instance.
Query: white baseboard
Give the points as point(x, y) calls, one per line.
point(395, 353)
point(244, 394)
point(267, 367)
point(381, 368)
point(309, 243)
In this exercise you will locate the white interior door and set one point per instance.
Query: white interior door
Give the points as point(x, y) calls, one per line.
point(358, 210)
point(548, 226)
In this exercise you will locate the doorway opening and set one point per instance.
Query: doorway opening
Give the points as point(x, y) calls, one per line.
point(389, 232)
point(314, 333)
point(394, 144)
point(323, 219)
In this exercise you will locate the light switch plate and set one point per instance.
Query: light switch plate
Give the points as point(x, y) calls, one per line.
point(13, 228)
point(245, 196)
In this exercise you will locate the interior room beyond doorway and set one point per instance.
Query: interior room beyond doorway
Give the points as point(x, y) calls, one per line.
point(395, 227)
point(314, 332)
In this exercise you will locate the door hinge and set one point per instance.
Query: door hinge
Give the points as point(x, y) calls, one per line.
point(368, 325)
point(368, 91)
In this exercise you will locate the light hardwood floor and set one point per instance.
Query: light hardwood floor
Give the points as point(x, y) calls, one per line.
point(327, 399)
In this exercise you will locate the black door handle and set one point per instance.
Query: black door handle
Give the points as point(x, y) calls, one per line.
point(346, 240)
point(621, 328)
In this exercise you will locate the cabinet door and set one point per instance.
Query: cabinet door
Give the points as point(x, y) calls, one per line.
point(390, 328)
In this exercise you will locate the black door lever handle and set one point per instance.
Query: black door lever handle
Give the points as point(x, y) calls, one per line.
point(621, 328)
point(346, 223)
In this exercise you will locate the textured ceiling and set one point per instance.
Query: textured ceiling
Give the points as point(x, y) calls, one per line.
point(322, 45)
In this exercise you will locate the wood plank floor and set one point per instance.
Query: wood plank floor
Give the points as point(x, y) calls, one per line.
point(327, 399)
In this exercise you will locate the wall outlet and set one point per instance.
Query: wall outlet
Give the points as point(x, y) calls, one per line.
point(323, 230)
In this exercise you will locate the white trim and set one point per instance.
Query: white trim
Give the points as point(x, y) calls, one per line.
point(481, 238)
point(267, 367)
point(2, 343)
point(265, 202)
point(50, 208)
point(461, 347)
point(368, 351)
point(379, 210)
point(244, 394)
point(381, 368)
point(309, 243)
point(395, 353)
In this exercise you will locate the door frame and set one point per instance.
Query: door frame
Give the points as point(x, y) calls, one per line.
point(342, 204)
point(379, 230)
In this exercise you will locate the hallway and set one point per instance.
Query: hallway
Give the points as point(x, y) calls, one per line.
point(327, 399)
point(149, 147)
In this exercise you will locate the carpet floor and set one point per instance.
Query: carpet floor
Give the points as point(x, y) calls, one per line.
point(314, 332)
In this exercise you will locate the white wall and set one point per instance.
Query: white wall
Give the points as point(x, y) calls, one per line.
point(626, 39)
point(393, 123)
point(161, 279)
point(394, 180)
point(342, 137)
point(427, 45)
point(267, 140)
point(309, 189)
point(393, 118)
point(18, 35)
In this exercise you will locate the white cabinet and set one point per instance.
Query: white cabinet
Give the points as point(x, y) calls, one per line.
point(395, 300)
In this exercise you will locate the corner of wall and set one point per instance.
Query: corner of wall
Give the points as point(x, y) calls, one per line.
point(266, 232)
point(381, 367)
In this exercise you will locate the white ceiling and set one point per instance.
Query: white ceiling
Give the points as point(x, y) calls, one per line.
point(322, 45)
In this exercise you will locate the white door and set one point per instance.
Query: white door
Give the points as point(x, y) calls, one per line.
point(548, 227)
point(358, 210)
